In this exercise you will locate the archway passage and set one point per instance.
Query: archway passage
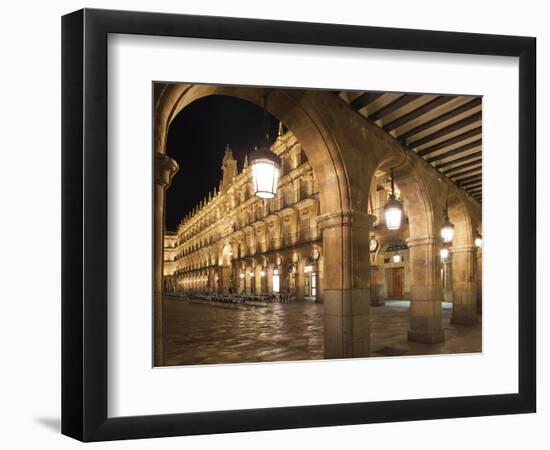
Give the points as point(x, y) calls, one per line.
point(312, 120)
point(311, 243)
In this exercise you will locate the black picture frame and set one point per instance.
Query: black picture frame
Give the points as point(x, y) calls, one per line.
point(84, 224)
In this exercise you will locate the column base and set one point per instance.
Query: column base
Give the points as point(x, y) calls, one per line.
point(346, 322)
point(464, 315)
point(377, 302)
point(426, 337)
point(465, 321)
point(377, 295)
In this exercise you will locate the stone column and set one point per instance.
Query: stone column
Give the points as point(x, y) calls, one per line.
point(300, 280)
point(378, 286)
point(165, 168)
point(346, 289)
point(479, 280)
point(224, 280)
point(269, 278)
point(425, 312)
point(248, 280)
point(264, 289)
point(320, 279)
point(236, 281)
point(283, 278)
point(448, 280)
point(464, 286)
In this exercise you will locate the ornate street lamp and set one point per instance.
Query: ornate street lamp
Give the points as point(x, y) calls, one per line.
point(393, 210)
point(396, 257)
point(478, 241)
point(447, 229)
point(265, 165)
point(444, 253)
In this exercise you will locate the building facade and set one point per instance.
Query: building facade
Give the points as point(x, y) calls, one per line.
point(234, 242)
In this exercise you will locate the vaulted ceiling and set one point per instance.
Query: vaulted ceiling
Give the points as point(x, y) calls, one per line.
point(445, 130)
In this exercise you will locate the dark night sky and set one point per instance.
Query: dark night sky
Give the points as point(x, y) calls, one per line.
point(196, 140)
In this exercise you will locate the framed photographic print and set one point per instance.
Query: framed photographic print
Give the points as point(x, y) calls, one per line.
point(274, 225)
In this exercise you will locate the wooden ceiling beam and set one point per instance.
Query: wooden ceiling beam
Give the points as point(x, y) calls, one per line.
point(458, 160)
point(393, 106)
point(442, 118)
point(468, 182)
point(456, 176)
point(450, 172)
point(454, 152)
point(451, 141)
point(364, 99)
point(446, 130)
point(414, 114)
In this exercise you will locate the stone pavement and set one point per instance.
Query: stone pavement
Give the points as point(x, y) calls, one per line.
point(207, 334)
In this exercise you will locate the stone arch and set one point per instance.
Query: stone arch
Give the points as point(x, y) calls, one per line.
point(422, 192)
point(226, 254)
point(465, 215)
point(296, 109)
point(344, 151)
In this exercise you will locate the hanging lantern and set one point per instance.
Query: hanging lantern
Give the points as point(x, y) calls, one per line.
point(478, 241)
point(396, 257)
point(393, 210)
point(447, 229)
point(265, 165)
point(444, 253)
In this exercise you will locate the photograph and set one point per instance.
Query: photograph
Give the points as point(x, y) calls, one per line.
point(308, 224)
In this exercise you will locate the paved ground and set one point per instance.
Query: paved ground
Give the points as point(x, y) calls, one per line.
point(205, 334)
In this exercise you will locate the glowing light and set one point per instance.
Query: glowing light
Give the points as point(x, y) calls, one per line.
point(444, 252)
point(265, 173)
point(478, 241)
point(393, 213)
point(447, 231)
point(393, 210)
point(396, 258)
point(265, 165)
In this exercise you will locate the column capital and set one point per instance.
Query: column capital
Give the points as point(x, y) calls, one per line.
point(165, 169)
point(334, 219)
point(422, 240)
point(464, 249)
point(345, 218)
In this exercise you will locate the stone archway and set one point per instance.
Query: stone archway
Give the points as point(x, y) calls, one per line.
point(463, 213)
point(344, 152)
point(423, 191)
